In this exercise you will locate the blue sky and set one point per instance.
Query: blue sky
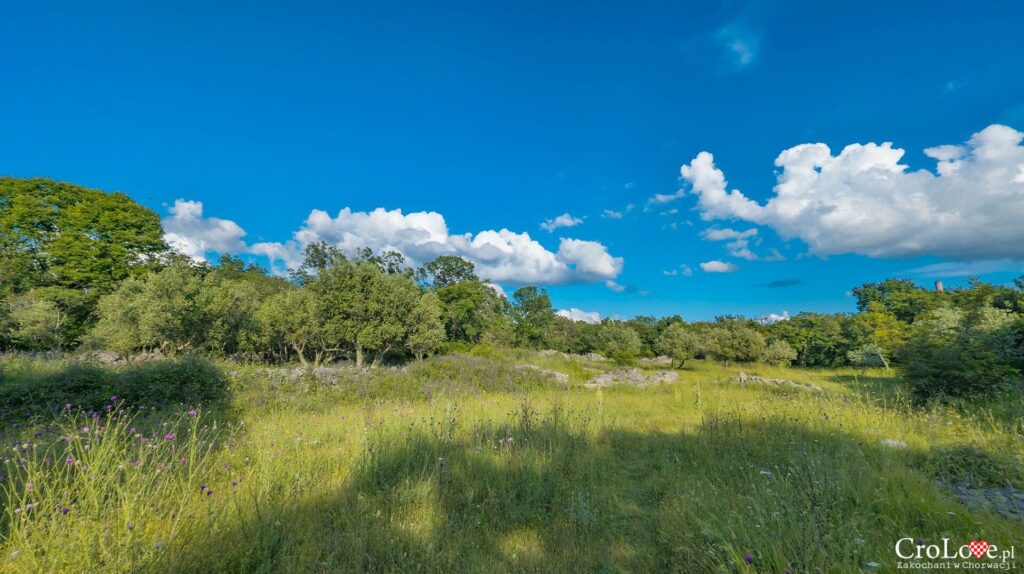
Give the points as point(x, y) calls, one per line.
point(504, 116)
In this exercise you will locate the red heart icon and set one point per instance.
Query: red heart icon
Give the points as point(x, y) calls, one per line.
point(977, 547)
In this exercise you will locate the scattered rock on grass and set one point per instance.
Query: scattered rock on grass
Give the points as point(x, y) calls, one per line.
point(746, 379)
point(1006, 501)
point(560, 378)
point(893, 443)
point(634, 377)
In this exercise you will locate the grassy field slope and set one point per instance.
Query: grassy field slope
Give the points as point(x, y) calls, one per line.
point(477, 464)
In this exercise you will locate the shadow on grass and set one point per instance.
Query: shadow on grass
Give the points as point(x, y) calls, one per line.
point(540, 494)
point(40, 390)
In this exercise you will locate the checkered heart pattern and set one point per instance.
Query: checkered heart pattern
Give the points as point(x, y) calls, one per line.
point(978, 547)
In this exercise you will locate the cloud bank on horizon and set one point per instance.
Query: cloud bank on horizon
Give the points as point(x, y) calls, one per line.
point(864, 201)
point(502, 256)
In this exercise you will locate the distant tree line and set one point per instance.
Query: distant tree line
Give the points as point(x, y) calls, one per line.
point(83, 268)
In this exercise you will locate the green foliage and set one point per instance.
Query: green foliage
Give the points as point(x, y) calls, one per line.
point(779, 353)
point(38, 387)
point(678, 342)
point(426, 332)
point(54, 233)
point(952, 353)
point(619, 342)
point(532, 316)
point(901, 297)
point(735, 343)
point(448, 270)
point(867, 357)
point(35, 323)
point(817, 338)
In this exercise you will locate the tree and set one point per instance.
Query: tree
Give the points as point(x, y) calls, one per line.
point(779, 353)
point(447, 270)
point(736, 343)
point(532, 314)
point(901, 297)
point(680, 343)
point(471, 310)
point(290, 321)
point(957, 353)
point(426, 333)
point(868, 356)
point(36, 323)
point(163, 311)
point(54, 233)
point(618, 341)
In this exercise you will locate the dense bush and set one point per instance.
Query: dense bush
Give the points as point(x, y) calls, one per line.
point(955, 353)
point(779, 353)
point(736, 344)
point(37, 386)
point(679, 343)
point(618, 342)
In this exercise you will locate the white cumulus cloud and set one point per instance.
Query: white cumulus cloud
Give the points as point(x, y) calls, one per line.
point(500, 255)
point(189, 233)
point(863, 200)
point(716, 266)
point(575, 314)
point(564, 220)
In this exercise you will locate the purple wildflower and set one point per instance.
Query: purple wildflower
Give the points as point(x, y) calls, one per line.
point(748, 559)
point(209, 492)
point(169, 437)
point(70, 460)
point(202, 487)
point(192, 413)
point(113, 399)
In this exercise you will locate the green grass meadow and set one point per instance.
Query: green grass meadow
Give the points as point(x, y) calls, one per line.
point(472, 464)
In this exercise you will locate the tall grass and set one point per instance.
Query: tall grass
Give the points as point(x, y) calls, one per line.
point(698, 476)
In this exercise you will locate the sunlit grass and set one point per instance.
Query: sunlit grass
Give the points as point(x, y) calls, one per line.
point(693, 476)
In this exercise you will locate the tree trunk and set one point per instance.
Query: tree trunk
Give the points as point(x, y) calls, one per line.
point(359, 355)
point(302, 356)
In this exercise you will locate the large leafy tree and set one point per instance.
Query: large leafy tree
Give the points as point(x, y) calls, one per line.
point(680, 343)
point(533, 315)
point(68, 245)
point(54, 233)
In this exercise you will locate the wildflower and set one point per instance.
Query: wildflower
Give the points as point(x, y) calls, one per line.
point(920, 542)
point(132, 430)
point(137, 463)
point(225, 465)
point(70, 460)
point(85, 429)
point(192, 413)
point(158, 545)
point(183, 460)
point(202, 487)
point(169, 437)
point(65, 510)
point(131, 526)
point(29, 486)
point(209, 492)
point(113, 399)
point(748, 559)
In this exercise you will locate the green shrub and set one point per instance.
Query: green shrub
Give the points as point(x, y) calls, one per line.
point(957, 354)
point(29, 386)
point(779, 353)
